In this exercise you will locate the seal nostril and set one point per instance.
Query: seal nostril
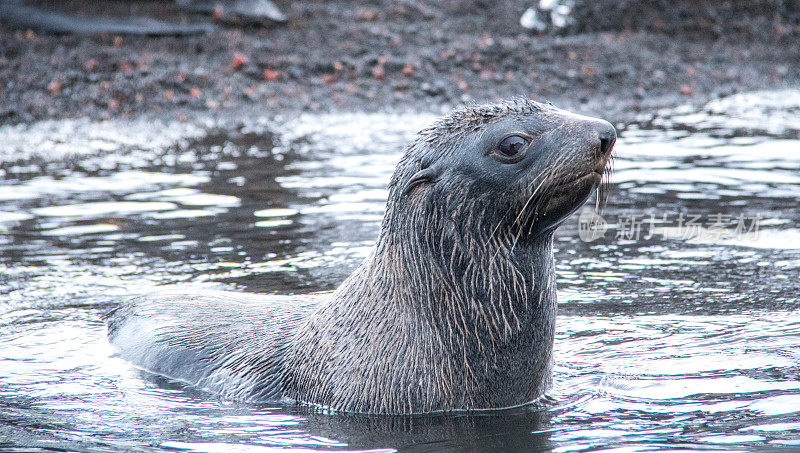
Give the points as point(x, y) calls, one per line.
point(605, 145)
point(608, 135)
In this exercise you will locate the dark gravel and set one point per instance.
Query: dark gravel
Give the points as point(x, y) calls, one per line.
point(404, 55)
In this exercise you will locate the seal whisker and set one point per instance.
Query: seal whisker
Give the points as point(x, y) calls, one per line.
point(521, 213)
point(499, 222)
point(604, 188)
point(547, 178)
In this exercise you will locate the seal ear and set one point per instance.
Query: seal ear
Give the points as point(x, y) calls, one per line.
point(424, 176)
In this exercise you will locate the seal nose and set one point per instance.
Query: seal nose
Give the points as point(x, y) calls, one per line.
point(607, 135)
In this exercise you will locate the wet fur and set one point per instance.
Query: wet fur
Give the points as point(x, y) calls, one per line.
point(454, 308)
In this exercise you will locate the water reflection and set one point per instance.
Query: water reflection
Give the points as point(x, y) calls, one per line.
point(662, 341)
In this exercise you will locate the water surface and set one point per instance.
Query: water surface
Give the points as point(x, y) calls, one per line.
point(669, 336)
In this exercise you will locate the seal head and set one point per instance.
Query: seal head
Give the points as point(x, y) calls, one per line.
point(530, 165)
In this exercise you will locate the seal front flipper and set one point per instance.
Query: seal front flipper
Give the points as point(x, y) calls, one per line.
point(225, 343)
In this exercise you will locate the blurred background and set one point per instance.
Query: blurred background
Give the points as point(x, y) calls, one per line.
point(614, 55)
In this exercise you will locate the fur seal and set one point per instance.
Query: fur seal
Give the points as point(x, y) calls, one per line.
point(454, 309)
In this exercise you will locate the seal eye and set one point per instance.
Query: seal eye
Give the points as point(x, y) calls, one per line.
point(512, 148)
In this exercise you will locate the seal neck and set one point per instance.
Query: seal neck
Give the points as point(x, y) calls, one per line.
point(461, 318)
point(466, 283)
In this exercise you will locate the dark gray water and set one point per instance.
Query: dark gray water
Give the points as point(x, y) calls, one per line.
point(678, 329)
